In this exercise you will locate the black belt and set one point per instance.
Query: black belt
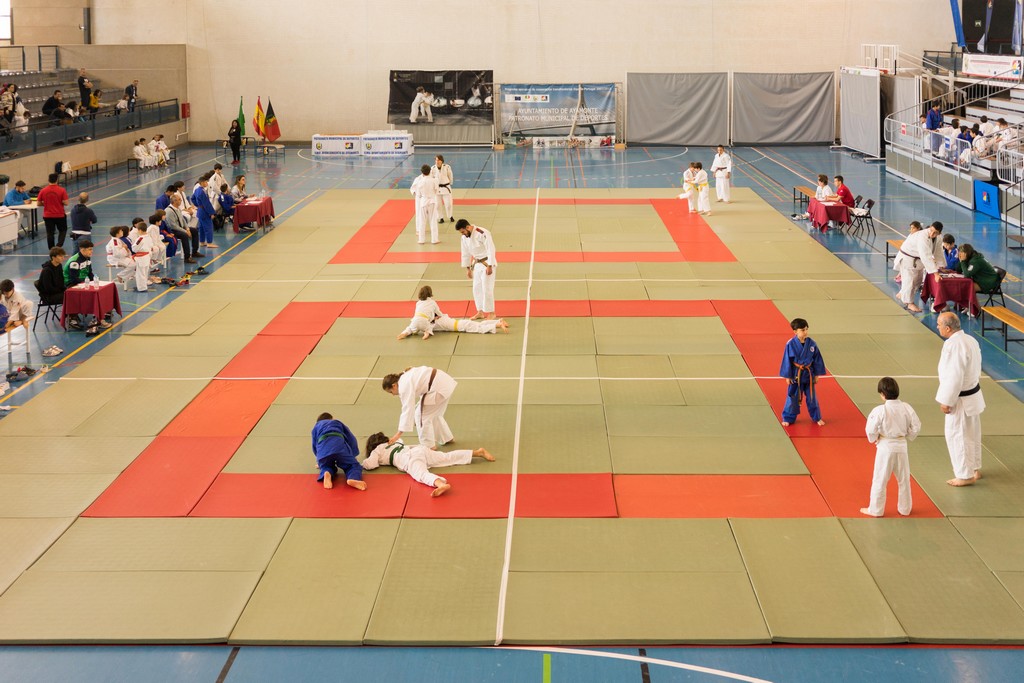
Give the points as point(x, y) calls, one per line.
point(445, 185)
point(971, 392)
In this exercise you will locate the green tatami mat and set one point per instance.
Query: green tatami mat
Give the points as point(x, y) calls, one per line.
point(298, 419)
point(563, 438)
point(561, 336)
point(936, 585)
point(174, 366)
point(641, 392)
point(635, 607)
point(691, 421)
point(242, 317)
point(998, 541)
point(628, 291)
point(337, 366)
point(69, 455)
point(441, 584)
point(996, 495)
point(23, 541)
point(131, 348)
point(560, 392)
point(481, 391)
point(766, 454)
point(124, 607)
point(158, 402)
point(624, 545)
point(294, 605)
point(50, 494)
point(630, 344)
point(465, 367)
point(499, 344)
point(387, 344)
point(559, 366)
point(317, 391)
point(1013, 582)
point(415, 356)
point(726, 363)
point(183, 544)
point(278, 454)
point(181, 318)
point(722, 392)
point(798, 566)
point(328, 291)
point(61, 408)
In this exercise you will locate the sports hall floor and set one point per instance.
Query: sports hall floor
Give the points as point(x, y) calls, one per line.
point(157, 486)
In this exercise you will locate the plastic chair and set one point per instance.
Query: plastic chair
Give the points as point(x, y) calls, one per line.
point(996, 291)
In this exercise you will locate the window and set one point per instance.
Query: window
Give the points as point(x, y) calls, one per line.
point(5, 19)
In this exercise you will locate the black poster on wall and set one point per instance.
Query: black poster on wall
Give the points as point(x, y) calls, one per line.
point(441, 98)
point(1000, 28)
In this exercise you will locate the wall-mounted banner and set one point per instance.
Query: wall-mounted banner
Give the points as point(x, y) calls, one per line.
point(565, 110)
point(448, 98)
point(336, 145)
point(1006, 67)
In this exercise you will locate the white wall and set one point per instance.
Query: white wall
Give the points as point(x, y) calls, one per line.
point(325, 63)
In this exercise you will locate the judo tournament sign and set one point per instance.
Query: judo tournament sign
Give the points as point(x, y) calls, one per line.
point(441, 98)
point(554, 115)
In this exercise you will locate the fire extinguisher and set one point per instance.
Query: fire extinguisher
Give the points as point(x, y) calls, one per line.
point(186, 110)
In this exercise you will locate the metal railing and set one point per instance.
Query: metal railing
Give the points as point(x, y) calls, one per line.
point(1010, 164)
point(950, 60)
point(12, 58)
point(45, 135)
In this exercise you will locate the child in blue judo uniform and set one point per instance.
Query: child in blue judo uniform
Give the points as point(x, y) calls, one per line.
point(801, 365)
point(335, 446)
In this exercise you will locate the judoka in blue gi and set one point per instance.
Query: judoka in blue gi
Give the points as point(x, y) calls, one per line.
point(801, 365)
point(335, 446)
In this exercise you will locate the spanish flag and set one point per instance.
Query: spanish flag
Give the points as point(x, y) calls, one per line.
point(257, 119)
point(270, 129)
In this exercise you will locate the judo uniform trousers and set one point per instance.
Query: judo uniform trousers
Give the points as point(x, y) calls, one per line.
point(335, 446)
point(801, 365)
point(146, 160)
point(424, 189)
point(918, 255)
point(959, 387)
point(421, 107)
point(424, 392)
point(119, 255)
point(444, 179)
point(445, 323)
point(890, 426)
point(722, 168)
point(700, 180)
point(690, 189)
point(142, 246)
point(477, 253)
point(204, 213)
point(422, 321)
point(415, 460)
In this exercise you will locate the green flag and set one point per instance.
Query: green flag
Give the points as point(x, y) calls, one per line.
point(241, 118)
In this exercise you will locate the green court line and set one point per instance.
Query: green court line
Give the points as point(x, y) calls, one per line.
point(547, 668)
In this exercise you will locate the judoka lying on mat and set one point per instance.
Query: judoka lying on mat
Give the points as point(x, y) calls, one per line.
point(416, 460)
point(428, 319)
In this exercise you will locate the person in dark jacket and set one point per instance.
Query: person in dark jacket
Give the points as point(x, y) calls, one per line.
point(50, 284)
point(974, 266)
point(82, 220)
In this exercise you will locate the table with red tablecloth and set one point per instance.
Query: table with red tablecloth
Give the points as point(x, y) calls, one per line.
point(256, 210)
point(954, 289)
point(823, 212)
point(88, 300)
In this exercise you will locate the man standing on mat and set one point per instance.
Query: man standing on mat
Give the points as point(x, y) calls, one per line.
point(920, 253)
point(722, 168)
point(443, 173)
point(480, 261)
point(960, 398)
point(424, 392)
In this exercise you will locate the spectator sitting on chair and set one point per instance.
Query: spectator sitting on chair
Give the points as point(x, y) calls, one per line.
point(974, 266)
point(50, 284)
point(227, 202)
point(843, 193)
point(164, 200)
point(176, 221)
point(60, 116)
point(238, 191)
point(77, 270)
point(161, 246)
point(17, 197)
point(19, 309)
point(951, 253)
point(141, 153)
point(82, 220)
point(51, 103)
point(158, 148)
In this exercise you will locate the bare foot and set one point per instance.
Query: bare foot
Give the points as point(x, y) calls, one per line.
point(785, 424)
point(489, 316)
point(866, 511)
point(483, 453)
point(426, 336)
point(960, 482)
point(503, 326)
point(913, 309)
point(328, 481)
point(479, 316)
point(440, 489)
point(977, 475)
point(821, 423)
point(402, 336)
point(356, 484)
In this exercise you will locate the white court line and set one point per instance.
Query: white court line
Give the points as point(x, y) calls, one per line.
point(496, 378)
point(499, 631)
point(414, 280)
point(155, 180)
point(637, 658)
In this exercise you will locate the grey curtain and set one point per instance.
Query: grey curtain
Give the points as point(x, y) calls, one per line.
point(860, 111)
point(677, 109)
point(907, 98)
point(783, 108)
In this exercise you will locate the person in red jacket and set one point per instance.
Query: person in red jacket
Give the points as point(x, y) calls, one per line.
point(843, 193)
point(53, 198)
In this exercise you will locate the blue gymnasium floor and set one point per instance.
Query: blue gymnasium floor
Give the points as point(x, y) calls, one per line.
point(296, 180)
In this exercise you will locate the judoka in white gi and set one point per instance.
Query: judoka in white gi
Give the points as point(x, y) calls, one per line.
point(421, 106)
point(920, 253)
point(890, 426)
point(416, 461)
point(700, 181)
point(141, 152)
point(119, 254)
point(722, 168)
point(960, 398)
point(142, 248)
point(445, 323)
point(424, 392)
point(427, 311)
point(689, 192)
point(424, 189)
point(442, 172)
point(480, 261)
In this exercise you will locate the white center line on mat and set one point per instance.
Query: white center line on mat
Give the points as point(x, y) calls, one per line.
point(503, 592)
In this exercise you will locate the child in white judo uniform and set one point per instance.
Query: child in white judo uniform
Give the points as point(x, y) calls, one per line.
point(119, 254)
point(423, 319)
point(142, 248)
point(416, 461)
point(700, 181)
point(890, 426)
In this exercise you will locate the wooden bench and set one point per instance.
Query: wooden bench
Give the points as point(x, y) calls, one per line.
point(1006, 319)
point(266, 149)
point(1019, 239)
point(803, 195)
point(87, 167)
point(895, 244)
point(225, 148)
point(132, 162)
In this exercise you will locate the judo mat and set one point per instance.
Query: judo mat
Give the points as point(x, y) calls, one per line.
point(644, 489)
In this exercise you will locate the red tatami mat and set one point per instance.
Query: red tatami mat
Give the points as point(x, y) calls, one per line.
point(226, 408)
point(651, 309)
point(270, 356)
point(718, 496)
point(473, 496)
point(301, 495)
point(167, 479)
point(305, 318)
point(753, 317)
point(565, 495)
point(842, 470)
point(399, 309)
point(841, 415)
